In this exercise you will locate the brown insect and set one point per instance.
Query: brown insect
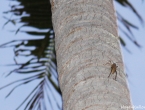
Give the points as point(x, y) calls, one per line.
point(113, 70)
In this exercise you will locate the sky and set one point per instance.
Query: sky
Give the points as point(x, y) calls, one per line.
point(6, 57)
point(134, 61)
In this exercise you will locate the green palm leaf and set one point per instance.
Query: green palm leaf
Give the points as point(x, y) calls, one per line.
point(42, 64)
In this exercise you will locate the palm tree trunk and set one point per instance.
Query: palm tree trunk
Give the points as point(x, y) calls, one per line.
point(86, 39)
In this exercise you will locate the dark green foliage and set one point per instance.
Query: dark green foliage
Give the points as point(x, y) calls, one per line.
point(37, 14)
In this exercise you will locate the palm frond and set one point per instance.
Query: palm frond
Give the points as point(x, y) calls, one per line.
point(127, 24)
point(41, 64)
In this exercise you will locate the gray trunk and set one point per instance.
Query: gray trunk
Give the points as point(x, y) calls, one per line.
point(86, 40)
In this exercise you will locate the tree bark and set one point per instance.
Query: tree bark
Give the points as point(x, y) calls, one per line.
point(86, 39)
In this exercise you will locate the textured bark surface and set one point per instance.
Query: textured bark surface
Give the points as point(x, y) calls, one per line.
point(86, 39)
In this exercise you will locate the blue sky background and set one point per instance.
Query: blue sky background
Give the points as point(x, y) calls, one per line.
point(134, 62)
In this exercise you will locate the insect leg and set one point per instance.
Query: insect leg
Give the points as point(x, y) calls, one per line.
point(109, 75)
point(116, 75)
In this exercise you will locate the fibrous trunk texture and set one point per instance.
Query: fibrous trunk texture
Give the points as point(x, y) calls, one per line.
point(86, 40)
